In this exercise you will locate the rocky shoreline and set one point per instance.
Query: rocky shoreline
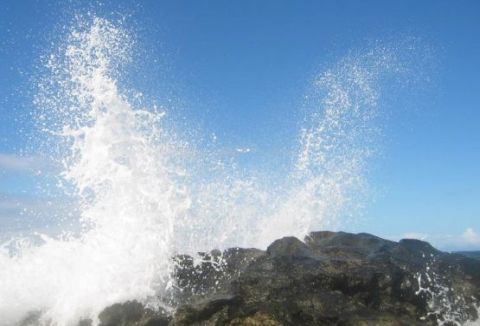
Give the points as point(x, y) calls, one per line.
point(330, 278)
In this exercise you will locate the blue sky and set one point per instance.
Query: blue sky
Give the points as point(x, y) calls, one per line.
point(239, 68)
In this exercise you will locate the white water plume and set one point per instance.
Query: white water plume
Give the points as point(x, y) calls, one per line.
point(139, 205)
point(122, 181)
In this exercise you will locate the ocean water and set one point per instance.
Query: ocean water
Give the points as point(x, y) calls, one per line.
point(137, 186)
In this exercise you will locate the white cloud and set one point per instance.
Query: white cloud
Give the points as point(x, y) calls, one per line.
point(10, 202)
point(14, 162)
point(471, 237)
point(24, 212)
point(30, 164)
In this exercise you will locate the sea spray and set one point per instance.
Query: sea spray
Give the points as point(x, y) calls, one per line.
point(445, 304)
point(140, 196)
point(326, 180)
point(121, 178)
point(336, 140)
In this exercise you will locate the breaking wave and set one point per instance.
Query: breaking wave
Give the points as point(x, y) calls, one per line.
point(145, 194)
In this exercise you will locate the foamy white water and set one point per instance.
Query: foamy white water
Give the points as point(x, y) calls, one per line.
point(139, 206)
point(122, 181)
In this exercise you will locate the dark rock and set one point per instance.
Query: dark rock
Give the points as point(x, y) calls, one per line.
point(214, 275)
point(32, 319)
point(329, 279)
point(132, 313)
point(289, 247)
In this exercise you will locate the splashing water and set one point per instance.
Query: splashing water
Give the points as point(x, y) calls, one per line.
point(125, 187)
point(140, 206)
point(445, 305)
point(328, 175)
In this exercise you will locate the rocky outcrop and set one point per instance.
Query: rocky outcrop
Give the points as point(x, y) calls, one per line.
point(327, 279)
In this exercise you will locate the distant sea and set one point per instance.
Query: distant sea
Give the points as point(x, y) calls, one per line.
point(471, 254)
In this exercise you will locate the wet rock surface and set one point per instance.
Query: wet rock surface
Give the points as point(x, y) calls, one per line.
point(330, 278)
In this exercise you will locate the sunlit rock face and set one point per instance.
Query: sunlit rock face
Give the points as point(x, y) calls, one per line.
point(330, 278)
